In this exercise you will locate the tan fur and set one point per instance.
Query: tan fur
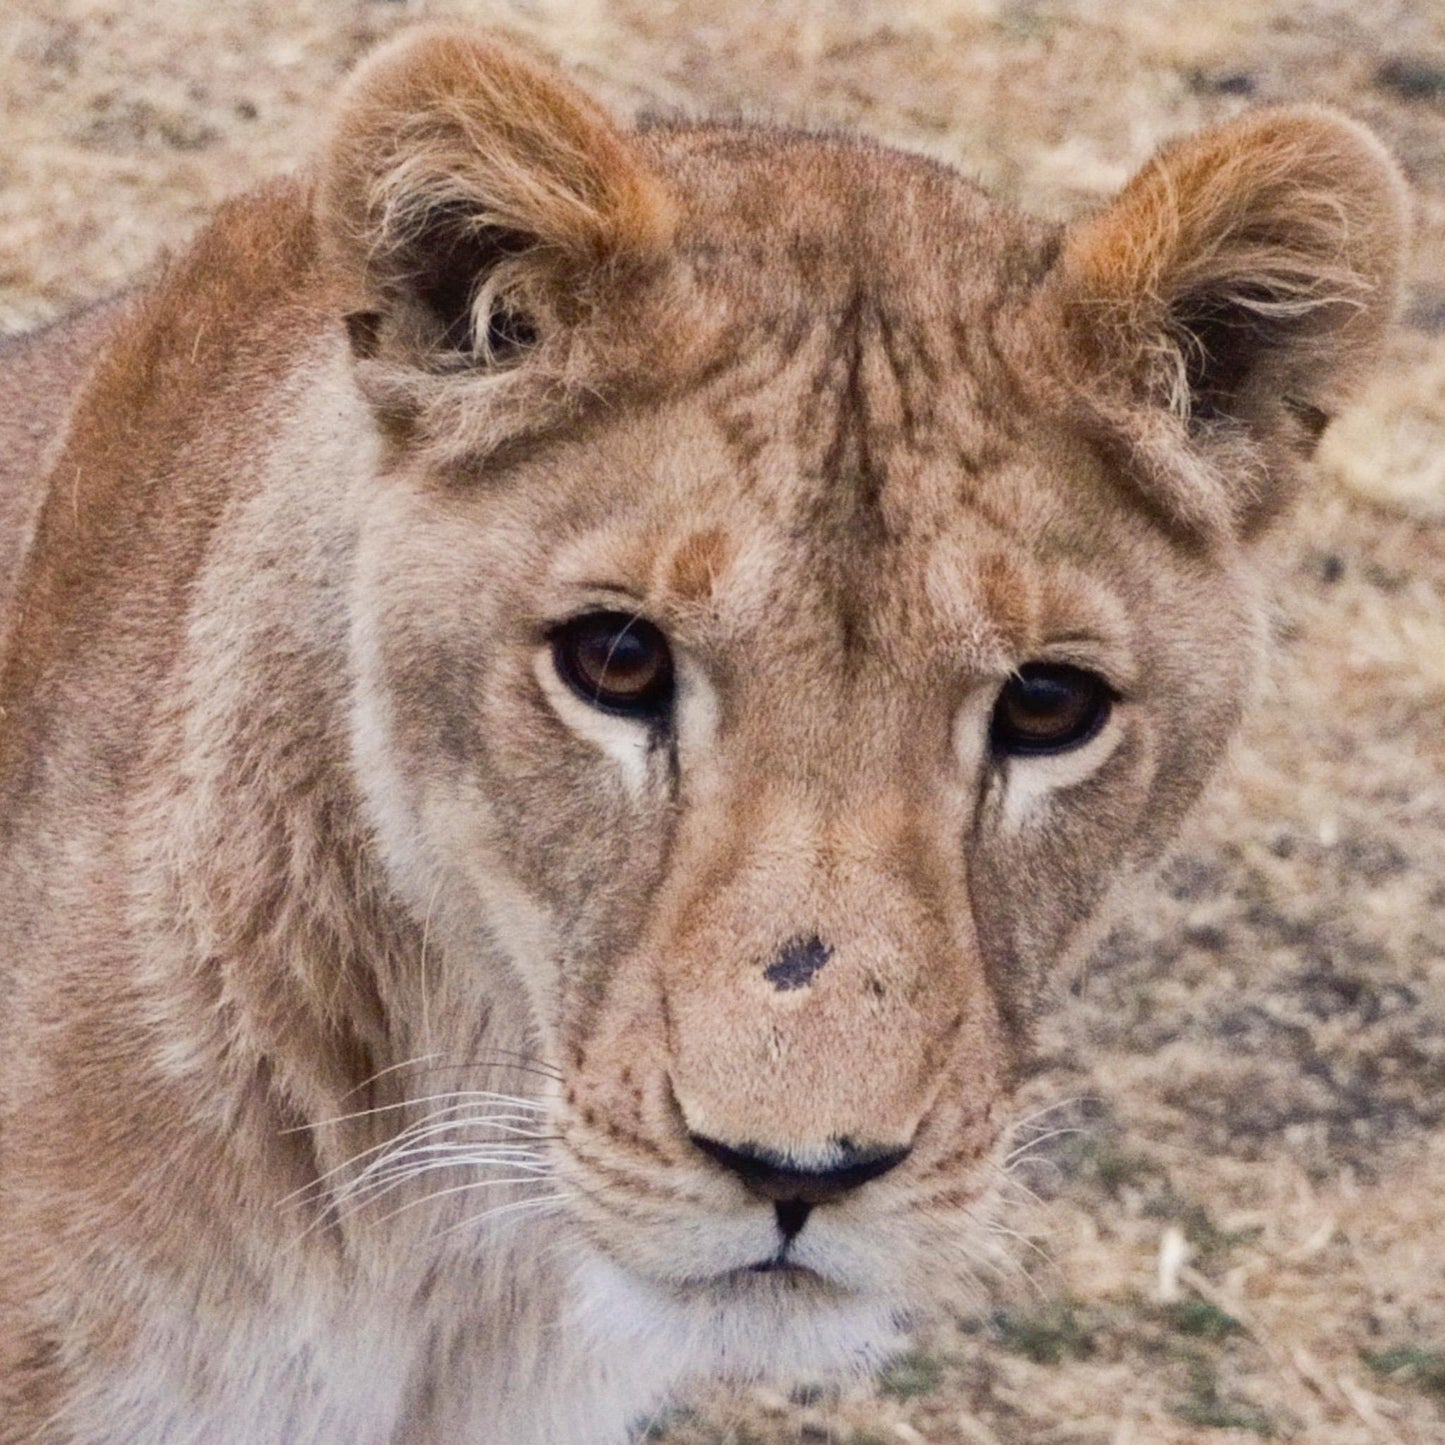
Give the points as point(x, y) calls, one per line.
point(1295, 220)
point(39, 375)
point(313, 868)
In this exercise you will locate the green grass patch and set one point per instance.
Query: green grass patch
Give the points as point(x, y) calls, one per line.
point(1115, 1169)
point(1049, 1335)
point(1209, 1407)
point(1201, 1319)
point(911, 1375)
point(1414, 1365)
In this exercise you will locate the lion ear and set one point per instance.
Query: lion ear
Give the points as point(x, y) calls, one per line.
point(1232, 295)
point(467, 193)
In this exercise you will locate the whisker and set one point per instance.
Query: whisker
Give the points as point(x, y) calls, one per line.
point(1041, 1139)
point(452, 1159)
point(389, 1069)
point(528, 1059)
point(455, 1155)
point(473, 1150)
point(535, 1105)
point(1009, 1179)
point(439, 1122)
point(431, 903)
point(384, 1184)
point(424, 1128)
point(387, 1149)
point(533, 1072)
point(454, 1189)
point(498, 1058)
point(518, 1205)
point(1043, 1112)
point(531, 1062)
point(422, 1063)
point(388, 1174)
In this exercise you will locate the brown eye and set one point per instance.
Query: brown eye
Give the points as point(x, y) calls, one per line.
point(616, 662)
point(1049, 708)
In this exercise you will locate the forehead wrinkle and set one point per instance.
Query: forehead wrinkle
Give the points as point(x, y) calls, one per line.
point(776, 530)
point(843, 412)
point(868, 423)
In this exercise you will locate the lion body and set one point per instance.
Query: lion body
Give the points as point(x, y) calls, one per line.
point(272, 1340)
point(304, 849)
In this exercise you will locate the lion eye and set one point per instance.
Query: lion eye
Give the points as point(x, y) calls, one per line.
point(616, 662)
point(1049, 708)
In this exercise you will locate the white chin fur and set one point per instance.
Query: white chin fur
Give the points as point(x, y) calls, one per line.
point(762, 1328)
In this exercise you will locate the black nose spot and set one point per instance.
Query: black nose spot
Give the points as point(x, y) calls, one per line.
point(777, 1178)
point(797, 962)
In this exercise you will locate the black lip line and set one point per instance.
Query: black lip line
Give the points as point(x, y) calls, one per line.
point(771, 1265)
point(778, 1264)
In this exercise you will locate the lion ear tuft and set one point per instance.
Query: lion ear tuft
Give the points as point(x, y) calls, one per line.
point(467, 188)
point(1242, 283)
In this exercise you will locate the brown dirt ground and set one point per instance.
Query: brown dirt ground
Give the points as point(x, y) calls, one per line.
point(1254, 1067)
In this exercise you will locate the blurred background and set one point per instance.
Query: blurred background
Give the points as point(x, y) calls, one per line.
point(1238, 1229)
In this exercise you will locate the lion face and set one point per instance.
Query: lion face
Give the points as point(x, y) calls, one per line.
point(783, 800)
point(794, 595)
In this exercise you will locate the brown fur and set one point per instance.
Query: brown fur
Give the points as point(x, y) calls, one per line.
point(39, 375)
point(300, 834)
point(1237, 283)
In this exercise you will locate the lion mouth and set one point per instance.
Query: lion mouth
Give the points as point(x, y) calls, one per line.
point(770, 1274)
point(778, 1265)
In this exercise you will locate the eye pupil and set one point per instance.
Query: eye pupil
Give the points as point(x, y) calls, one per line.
point(619, 663)
point(1049, 708)
point(616, 662)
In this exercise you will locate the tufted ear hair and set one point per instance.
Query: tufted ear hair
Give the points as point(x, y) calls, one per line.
point(1217, 313)
point(469, 195)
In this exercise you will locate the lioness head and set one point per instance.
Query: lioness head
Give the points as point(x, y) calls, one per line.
point(795, 592)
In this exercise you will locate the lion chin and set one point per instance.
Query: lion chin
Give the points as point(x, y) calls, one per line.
point(747, 1324)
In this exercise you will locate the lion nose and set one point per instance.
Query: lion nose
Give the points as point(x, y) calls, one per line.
point(783, 1180)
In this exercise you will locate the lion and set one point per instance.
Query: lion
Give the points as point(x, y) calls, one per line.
point(567, 690)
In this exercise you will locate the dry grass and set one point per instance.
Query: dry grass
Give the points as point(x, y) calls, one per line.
point(1258, 1055)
